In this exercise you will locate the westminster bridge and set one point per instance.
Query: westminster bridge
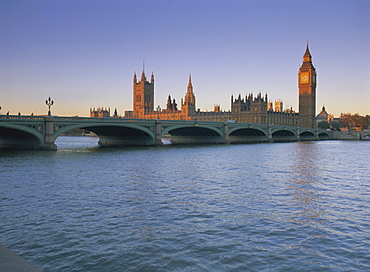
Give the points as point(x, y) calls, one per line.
point(40, 132)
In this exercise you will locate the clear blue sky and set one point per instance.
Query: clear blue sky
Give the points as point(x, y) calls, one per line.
point(83, 53)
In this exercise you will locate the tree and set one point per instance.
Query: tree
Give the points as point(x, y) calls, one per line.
point(334, 125)
point(323, 125)
point(355, 120)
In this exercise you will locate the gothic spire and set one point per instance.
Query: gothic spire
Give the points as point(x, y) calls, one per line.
point(190, 85)
point(307, 55)
point(143, 77)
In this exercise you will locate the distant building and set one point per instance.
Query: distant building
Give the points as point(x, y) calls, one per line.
point(115, 114)
point(144, 102)
point(129, 114)
point(279, 105)
point(248, 109)
point(323, 116)
point(100, 112)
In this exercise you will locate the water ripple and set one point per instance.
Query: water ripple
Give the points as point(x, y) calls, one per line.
point(266, 207)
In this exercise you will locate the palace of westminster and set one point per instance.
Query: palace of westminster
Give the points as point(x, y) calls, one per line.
point(249, 109)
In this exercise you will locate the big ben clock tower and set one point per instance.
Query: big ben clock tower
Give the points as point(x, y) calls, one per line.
point(307, 92)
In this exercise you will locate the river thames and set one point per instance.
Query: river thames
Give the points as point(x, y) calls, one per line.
point(301, 206)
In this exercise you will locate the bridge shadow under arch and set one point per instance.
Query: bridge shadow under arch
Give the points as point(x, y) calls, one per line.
point(194, 135)
point(247, 135)
point(20, 138)
point(324, 136)
point(283, 135)
point(116, 135)
point(307, 136)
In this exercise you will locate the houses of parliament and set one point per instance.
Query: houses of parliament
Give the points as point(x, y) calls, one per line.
point(248, 109)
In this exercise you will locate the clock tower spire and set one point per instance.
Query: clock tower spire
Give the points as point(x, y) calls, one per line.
point(307, 91)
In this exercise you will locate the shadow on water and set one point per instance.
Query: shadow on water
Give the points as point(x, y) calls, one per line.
point(79, 144)
point(90, 144)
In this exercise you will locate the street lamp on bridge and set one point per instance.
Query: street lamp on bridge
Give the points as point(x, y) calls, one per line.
point(49, 102)
point(158, 111)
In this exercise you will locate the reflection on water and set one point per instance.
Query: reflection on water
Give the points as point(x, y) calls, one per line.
point(258, 207)
point(305, 184)
point(77, 143)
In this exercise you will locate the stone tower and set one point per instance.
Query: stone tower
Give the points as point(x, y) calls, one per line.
point(143, 96)
point(307, 92)
point(188, 106)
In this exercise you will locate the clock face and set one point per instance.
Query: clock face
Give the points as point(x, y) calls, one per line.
point(304, 78)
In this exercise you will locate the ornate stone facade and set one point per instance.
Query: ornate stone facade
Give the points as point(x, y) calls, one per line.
point(144, 103)
point(249, 109)
point(307, 92)
point(100, 112)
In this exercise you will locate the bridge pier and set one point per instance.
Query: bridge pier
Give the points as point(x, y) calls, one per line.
point(226, 133)
point(298, 133)
point(269, 128)
point(49, 134)
point(158, 133)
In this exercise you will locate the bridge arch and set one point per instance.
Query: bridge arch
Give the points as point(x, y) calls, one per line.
point(247, 135)
point(283, 135)
point(193, 134)
point(324, 136)
point(20, 137)
point(307, 136)
point(114, 134)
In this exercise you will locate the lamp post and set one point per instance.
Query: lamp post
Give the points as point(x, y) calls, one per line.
point(158, 111)
point(49, 102)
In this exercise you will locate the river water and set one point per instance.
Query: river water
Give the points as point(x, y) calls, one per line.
point(302, 206)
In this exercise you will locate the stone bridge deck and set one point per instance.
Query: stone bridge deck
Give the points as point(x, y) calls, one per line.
point(40, 132)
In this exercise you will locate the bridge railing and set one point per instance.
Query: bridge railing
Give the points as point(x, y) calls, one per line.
point(67, 118)
point(21, 117)
point(113, 119)
point(99, 120)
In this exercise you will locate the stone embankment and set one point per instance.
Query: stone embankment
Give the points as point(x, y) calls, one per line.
point(336, 135)
point(11, 262)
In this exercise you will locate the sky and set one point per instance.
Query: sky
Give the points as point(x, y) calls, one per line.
point(83, 53)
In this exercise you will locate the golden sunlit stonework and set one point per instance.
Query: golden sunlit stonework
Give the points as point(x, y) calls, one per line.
point(144, 102)
point(256, 109)
point(307, 92)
